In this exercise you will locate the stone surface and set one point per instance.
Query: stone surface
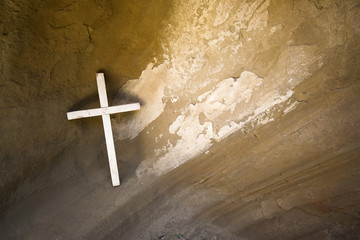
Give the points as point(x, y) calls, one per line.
point(248, 129)
point(50, 51)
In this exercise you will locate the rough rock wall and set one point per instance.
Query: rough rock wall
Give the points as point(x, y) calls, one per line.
point(232, 65)
point(249, 123)
point(50, 52)
point(262, 95)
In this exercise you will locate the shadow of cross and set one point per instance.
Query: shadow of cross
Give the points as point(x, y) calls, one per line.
point(104, 111)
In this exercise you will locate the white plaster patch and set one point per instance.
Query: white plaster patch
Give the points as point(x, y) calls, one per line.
point(185, 57)
point(196, 138)
point(197, 57)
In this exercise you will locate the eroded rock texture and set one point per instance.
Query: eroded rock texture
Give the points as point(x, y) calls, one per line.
point(249, 125)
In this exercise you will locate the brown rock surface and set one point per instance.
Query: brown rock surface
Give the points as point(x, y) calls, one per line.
point(249, 126)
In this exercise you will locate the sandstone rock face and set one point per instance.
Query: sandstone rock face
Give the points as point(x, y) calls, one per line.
point(50, 53)
point(248, 128)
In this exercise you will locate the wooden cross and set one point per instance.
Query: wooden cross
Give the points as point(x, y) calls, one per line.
point(105, 112)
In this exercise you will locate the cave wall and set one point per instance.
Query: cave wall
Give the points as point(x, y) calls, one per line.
point(232, 66)
point(50, 52)
point(249, 118)
point(255, 106)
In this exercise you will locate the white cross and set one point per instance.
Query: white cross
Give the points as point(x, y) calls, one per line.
point(105, 112)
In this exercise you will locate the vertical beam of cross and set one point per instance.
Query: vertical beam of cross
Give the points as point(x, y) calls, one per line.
point(109, 139)
point(105, 112)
